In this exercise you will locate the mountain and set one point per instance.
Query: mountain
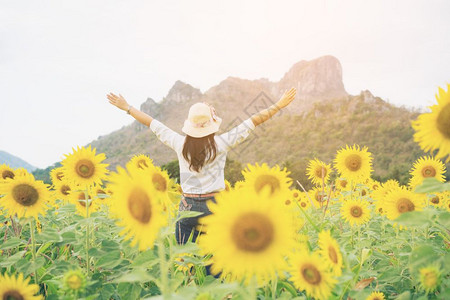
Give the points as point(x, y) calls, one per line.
point(322, 119)
point(15, 162)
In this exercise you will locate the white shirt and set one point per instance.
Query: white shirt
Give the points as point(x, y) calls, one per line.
point(211, 176)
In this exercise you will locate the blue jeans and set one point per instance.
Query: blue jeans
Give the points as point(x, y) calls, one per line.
point(184, 227)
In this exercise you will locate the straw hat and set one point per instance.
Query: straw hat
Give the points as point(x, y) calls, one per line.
point(202, 121)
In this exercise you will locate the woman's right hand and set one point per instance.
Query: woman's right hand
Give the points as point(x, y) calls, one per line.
point(118, 101)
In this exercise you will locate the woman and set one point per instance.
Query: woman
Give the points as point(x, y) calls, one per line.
point(201, 153)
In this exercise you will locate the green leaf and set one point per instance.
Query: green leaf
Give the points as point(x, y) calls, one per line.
point(109, 260)
point(432, 185)
point(9, 261)
point(444, 219)
point(414, 218)
point(12, 243)
point(404, 296)
point(144, 258)
point(49, 235)
point(137, 275)
point(422, 256)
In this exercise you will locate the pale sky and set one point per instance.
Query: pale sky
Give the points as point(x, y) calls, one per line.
point(59, 59)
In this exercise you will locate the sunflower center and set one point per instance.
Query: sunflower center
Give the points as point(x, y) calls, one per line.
point(85, 168)
point(160, 182)
point(321, 172)
point(13, 295)
point(25, 194)
point(65, 189)
point(139, 205)
point(443, 121)
point(311, 274)
point(287, 202)
point(7, 174)
point(343, 183)
point(74, 282)
point(302, 204)
point(320, 195)
point(295, 195)
point(59, 175)
point(435, 200)
point(428, 171)
point(405, 205)
point(82, 197)
point(363, 193)
point(356, 211)
point(252, 232)
point(430, 279)
point(142, 164)
point(264, 180)
point(353, 162)
point(332, 254)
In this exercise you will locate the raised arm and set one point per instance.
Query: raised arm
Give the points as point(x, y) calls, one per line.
point(120, 102)
point(267, 113)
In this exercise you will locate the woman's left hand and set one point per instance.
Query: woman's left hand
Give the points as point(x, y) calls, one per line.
point(118, 101)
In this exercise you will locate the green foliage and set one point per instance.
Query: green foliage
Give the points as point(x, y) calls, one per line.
point(44, 174)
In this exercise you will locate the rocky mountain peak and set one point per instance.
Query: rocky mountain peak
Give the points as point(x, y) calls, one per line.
point(182, 92)
point(319, 77)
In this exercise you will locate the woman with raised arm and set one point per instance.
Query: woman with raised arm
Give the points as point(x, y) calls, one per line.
point(201, 153)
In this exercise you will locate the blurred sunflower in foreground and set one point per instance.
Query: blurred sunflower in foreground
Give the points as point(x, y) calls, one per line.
point(248, 238)
point(16, 287)
point(433, 129)
point(137, 205)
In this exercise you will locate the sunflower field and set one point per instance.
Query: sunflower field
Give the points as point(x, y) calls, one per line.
point(96, 234)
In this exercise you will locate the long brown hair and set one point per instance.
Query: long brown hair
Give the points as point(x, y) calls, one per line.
point(199, 151)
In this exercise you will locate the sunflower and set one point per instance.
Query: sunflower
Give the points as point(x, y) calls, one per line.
point(318, 172)
point(438, 199)
point(309, 273)
point(57, 176)
point(257, 177)
point(74, 280)
point(248, 233)
point(426, 167)
point(84, 168)
point(376, 296)
point(15, 288)
point(140, 161)
point(319, 197)
point(25, 196)
point(137, 205)
point(342, 184)
point(433, 129)
point(430, 278)
point(329, 250)
point(239, 184)
point(373, 185)
point(6, 173)
point(379, 195)
point(79, 199)
point(227, 185)
point(180, 262)
point(401, 200)
point(62, 191)
point(353, 163)
point(355, 212)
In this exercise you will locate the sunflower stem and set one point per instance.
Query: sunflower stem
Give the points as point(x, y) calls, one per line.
point(253, 287)
point(308, 218)
point(274, 287)
point(165, 289)
point(33, 251)
point(87, 231)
